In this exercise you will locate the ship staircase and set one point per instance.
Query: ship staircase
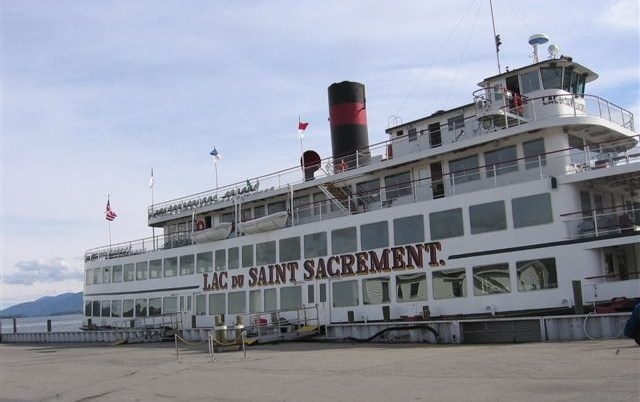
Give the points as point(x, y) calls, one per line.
point(341, 197)
point(493, 116)
point(275, 326)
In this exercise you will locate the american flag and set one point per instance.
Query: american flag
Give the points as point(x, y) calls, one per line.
point(110, 213)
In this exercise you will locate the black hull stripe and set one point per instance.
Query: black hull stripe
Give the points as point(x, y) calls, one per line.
point(141, 291)
point(540, 245)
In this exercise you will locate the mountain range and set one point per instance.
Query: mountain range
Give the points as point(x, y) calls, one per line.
point(66, 303)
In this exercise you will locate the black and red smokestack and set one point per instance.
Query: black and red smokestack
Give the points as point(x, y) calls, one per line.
point(348, 118)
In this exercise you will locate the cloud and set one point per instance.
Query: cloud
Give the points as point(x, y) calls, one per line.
point(52, 270)
point(623, 15)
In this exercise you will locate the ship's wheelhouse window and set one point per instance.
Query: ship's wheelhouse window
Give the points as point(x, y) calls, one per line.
point(204, 262)
point(491, 279)
point(217, 303)
point(234, 257)
point(116, 308)
point(97, 276)
point(276, 207)
point(573, 82)
point(155, 269)
point(488, 217)
point(127, 308)
point(456, 122)
point(255, 301)
point(534, 153)
point(374, 235)
point(201, 305)
point(413, 134)
point(290, 298)
point(117, 273)
point(529, 82)
point(128, 273)
point(289, 249)
point(464, 169)
point(302, 207)
point(376, 290)
point(106, 275)
point(315, 245)
point(532, 210)
point(398, 185)
point(345, 293)
point(266, 253)
point(237, 302)
point(141, 307)
point(551, 77)
point(187, 264)
point(106, 308)
point(311, 293)
point(344, 240)
point(221, 260)
point(408, 230)
point(445, 224)
point(88, 276)
point(411, 287)
point(247, 255)
point(270, 300)
point(155, 306)
point(449, 283)
point(87, 308)
point(537, 274)
point(501, 161)
point(170, 266)
point(170, 305)
point(95, 307)
point(142, 269)
point(368, 192)
point(435, 137)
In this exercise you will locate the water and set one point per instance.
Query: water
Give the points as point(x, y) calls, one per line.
point(59, 323)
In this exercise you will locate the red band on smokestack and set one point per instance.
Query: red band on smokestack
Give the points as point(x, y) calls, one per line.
point(348, 113)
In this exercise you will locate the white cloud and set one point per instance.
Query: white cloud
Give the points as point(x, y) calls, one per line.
point(46, 271)
point(622, 15)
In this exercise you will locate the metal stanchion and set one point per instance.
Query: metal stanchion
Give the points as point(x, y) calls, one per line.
point(244, 347)
point(175, 339)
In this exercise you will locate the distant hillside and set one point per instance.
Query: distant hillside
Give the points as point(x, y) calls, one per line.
point(66, 303)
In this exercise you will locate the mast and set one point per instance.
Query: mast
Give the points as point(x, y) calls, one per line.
point(496, 37)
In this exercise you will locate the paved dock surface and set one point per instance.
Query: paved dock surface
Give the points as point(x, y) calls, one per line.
point(606, 370)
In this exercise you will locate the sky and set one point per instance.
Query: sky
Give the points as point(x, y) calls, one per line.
point(95, 93)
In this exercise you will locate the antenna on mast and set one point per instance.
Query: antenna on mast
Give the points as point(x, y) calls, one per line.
point(496, 37)
point(535, 40)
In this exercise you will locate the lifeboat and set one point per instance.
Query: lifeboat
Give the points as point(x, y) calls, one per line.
point(273, 221)
point(219, 231)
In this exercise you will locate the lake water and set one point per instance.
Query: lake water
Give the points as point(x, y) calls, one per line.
point(59, 323)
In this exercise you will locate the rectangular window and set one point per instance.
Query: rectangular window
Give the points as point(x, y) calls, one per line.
point(201, 305)
point(408, 230)
point(537, 274)
point(95, 306)
point(276, 207)
point(413, 134)
point(532, 210)
point(398, 185)
point(270, 300)
point(455, 123)
point(344, 240)
point(446, 224)
point(106, 275)
point(501, 161)
point(376, 290)
point(290, 298)
point(323, 293)
point(229, 217)
point(247, 255)
point(266, 253)
point(117, 273)
point(127, 308)
point(170, 266)
point(488, 217)
point(155, 306)
point(141, 270)
point(87, 308)
point(411, 287)
point(345, 293)
point(315, 245)
point(585, 203)
point(302, 207)
point(88, 275)
point(141, 307)
point(491, 279)
point(217, 304)
point(464, 169)
point(237, 302)
point(234, 257)
point(374, 235)
point(259, 211)
point(534, 153)
point(187, 264)
point(311, 294)
point(368, 192)
point(128, 272)
point(106, 308)
point(170, 305)
point(435, 137)
point(97, 276)
point(449, 283)
point(255, 301)
point(551, 77)
point(116, 308)
point(155, 269)
point(204, 262)
point(530, 82)
point(221, 260)
point(289, 249)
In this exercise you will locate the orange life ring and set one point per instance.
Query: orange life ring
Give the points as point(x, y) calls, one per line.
point(200, 225)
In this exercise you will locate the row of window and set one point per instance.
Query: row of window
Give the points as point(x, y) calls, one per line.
point(532, 275)
point(488, 217)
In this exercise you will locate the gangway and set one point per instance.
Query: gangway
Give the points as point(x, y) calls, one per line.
point(280, 325)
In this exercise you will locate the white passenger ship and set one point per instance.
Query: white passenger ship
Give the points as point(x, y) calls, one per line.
point(523, 201)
